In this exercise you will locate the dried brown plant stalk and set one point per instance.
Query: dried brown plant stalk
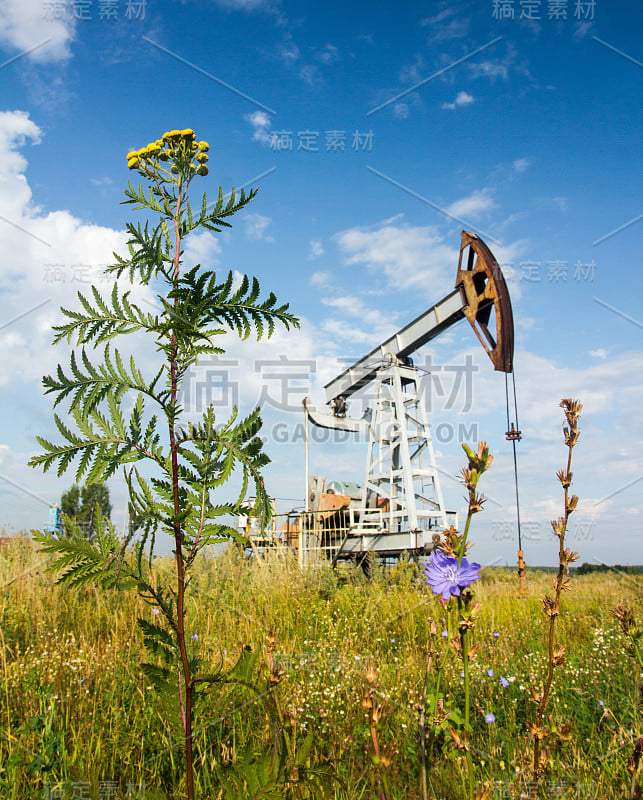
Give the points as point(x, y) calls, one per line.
point(381, 758)
point(433, 632)
point(551, 605)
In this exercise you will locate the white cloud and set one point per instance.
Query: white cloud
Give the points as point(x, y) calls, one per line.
point(475, 203)
point(288, 52)
point(323, 279)
point(500, 64)
point(24, 24)
point(401, 111)
point(581, 29)
point(559, 203)
point(461, 99)
point(256, 226)
point(260, 122)
point(379, 324)
point(202, 248)
point(374, 326)
point(489, 69)
point(15, 129)
point(291, 55)
point(447, 25)
point(343, 331)
point(101, 181)
point(521, 164)
point(417, 257)
point(600, 353)
point(309, 74)
point(414, 72)
point(328, 54)
point(45, 258)
point(408, 256)
point(316, 249)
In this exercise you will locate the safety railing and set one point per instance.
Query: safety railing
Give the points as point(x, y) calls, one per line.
point(316, 536)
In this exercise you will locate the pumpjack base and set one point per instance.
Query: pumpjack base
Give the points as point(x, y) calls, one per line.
point(389, 544)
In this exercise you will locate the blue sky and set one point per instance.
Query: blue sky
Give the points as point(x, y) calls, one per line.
point(526, 131)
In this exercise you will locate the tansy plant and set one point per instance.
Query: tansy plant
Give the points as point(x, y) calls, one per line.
point(119, 417)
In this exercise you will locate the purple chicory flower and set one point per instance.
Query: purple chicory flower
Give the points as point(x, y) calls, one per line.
point(490, 673)
point(446, 577)
point(504, 682)
point(489, 718)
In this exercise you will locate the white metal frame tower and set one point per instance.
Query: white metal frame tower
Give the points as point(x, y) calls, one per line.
point(401, 469)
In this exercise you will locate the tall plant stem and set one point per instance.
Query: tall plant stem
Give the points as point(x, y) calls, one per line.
point(180, 566)
point(422, 724)
point(465, 536)
point(464, 644)
point(552, 626)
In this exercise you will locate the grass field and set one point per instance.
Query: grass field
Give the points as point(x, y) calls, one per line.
point(78, 718)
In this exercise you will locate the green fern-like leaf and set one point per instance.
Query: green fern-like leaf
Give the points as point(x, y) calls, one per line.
point(98, 322)
point(80, 560)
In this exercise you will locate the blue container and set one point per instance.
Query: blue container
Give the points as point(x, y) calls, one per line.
point(55, 524)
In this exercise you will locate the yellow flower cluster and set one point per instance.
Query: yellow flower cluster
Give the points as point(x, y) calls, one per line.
point(178, 147)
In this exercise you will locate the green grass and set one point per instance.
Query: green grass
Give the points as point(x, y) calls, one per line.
point(76, 712)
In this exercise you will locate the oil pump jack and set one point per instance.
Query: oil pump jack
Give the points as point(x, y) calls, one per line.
point(399, 506)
